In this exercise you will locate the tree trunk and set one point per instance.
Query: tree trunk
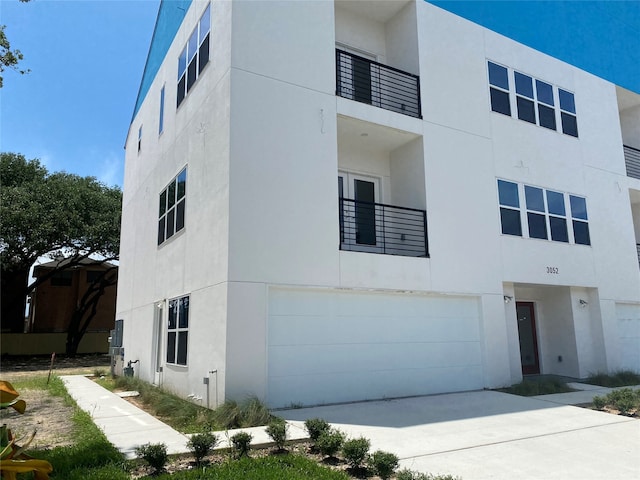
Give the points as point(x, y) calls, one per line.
point(13, 297)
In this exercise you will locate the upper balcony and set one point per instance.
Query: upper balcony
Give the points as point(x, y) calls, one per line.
point(366, 81)
point(632, 161)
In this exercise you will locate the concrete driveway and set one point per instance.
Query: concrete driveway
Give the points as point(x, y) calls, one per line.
point(492, 435)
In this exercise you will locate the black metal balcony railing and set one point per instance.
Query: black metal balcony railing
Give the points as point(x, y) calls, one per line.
point(632, 161)
point(386, 229)
point(366, 81)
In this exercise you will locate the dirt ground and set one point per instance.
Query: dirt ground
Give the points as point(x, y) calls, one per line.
point(50, 416)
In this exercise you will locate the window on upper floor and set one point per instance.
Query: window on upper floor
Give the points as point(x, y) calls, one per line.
point(194, 56)
point(178, 331)
point(544, 213)
point(172, 207)
point(139, 138)
point(534, 100)
point(62, 279)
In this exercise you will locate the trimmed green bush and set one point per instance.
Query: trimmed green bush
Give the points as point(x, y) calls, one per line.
point(623, 400)
point(355, 451)
point(155, 454)
point(201, 445)
point(383, 463)
point(330, 442)
point(599, 402)
point(277, 430)
point(241, 442)
point(316, 427)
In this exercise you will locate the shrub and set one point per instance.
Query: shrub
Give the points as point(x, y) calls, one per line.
point(621, 378)
point(599, 402)
point(623, 400)
point(355, 451)
point(201, 445)
point(383, 463)
point(155, 454)
point(330, 442)
point(316, 427)
point(277, 430)
point(251, 413)
point(242, 443)
point(411, 475)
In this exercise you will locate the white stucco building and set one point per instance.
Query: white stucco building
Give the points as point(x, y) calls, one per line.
point(329, 201)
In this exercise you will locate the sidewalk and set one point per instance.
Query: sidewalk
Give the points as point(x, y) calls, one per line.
point(127, 427)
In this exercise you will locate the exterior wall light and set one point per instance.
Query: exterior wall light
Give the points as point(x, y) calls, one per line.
point(583, 303)
point(507, 299)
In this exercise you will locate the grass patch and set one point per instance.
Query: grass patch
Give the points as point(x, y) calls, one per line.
point(187, 417)
point(91, 457)
point(273, 467)
point(528, 388)
point(621, 378)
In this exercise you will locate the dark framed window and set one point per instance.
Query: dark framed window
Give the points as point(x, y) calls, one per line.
point(579, 220)
point(568, 113)
point(62, 279)
point(178, 331)
point(171, 213)
point(535, 100)
point(499, 90)
point(546, 214)
point(161, 117)
point(194, 56)
point(509, 208)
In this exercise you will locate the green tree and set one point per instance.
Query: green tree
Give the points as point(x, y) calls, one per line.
point(9, 58)
point(61, 215)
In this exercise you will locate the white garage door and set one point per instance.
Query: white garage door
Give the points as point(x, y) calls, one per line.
point(327, 346)
point(628, 336)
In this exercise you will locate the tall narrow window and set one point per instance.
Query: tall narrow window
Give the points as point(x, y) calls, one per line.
point(524, 98)
point(172, 207)
point(536, 217)
point(557, 216)
point(580, 220)
point(499, 90)
point(194, 56)
point(139, 138)
point(509, 208)
point(568, 113)
point(178, 331)
point(161, 119)
point(546, 110)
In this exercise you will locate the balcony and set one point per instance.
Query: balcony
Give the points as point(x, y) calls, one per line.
point(383, 229)
point(366, 81)
point(632, 161)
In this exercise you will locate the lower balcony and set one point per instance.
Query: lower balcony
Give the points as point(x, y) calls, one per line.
point(384, 229)
point(632, 161)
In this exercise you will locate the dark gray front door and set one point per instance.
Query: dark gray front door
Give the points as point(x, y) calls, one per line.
point(528, 338)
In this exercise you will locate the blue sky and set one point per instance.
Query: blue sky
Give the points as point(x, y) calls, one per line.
point(87, 57)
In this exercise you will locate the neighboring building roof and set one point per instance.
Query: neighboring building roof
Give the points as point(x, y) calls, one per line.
point(170, 16)
point(600, 37)
point(85, 262)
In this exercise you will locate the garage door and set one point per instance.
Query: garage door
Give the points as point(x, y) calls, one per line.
point(329, 346)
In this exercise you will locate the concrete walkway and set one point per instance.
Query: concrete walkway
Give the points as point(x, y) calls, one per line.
point(127, 427)
point(474, 435)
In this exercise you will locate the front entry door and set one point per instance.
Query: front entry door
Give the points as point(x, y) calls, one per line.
point(528, 338)
point(358, 221)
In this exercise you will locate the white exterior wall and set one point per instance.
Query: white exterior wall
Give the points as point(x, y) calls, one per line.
point(264, 136)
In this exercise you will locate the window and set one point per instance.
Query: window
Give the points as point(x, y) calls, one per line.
point(568, 113)
point(194, 56)
point(139, 138)
point(178, 331)
point(499, 91)
point(535, 100)
point(509, 208)
point(93, 275)
point(546, 215)
point(62, 279)
point(579, 218)
point(161, 118)
point(172, 207)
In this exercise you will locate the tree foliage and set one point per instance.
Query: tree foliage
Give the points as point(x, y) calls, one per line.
point(9, 58)
point(60, 214)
